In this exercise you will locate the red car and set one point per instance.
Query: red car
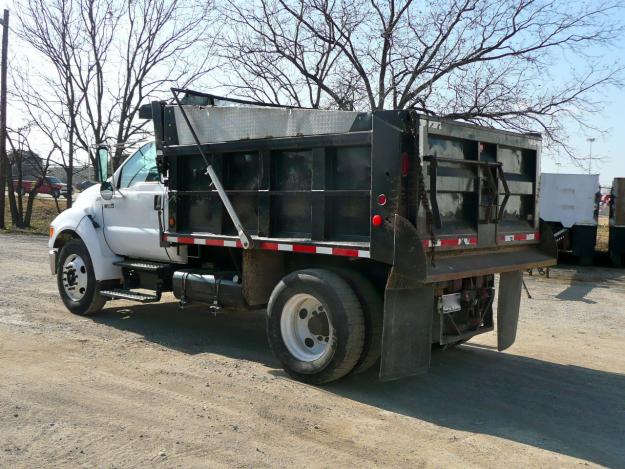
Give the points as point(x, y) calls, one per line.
point(51, 185)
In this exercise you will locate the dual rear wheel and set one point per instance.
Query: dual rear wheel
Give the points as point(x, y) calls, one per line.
point(323, 325)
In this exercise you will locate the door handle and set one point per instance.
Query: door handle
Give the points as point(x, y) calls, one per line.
point(109, 206)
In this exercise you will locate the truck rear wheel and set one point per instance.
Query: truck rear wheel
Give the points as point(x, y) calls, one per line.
point(372, 308)
point(315, 326)
point(76, 280)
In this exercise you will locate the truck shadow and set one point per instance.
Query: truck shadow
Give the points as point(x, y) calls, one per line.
point(571, 410)
point(193, 330)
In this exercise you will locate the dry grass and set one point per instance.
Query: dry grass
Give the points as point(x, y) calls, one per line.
point(603, 230)
point(44, 211)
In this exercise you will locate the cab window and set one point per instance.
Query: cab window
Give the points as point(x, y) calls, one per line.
point(141, 167)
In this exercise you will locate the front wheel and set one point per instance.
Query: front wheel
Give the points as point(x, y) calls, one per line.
point(315, 326)
point(76, 280)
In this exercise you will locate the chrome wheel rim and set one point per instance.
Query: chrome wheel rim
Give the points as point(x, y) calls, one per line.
point(75, 277)
point(306, 328)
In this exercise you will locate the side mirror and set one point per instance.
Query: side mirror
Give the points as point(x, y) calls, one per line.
point(102, 163)
point(106, 190)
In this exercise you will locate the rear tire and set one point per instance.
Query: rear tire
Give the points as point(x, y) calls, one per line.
point(372, 308)
point(76, 280)
point(315, 326)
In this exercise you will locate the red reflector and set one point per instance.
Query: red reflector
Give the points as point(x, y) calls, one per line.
point(405, 164)
point(382, 199)
point(376, 220)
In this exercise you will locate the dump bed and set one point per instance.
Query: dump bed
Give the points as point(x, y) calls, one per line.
point(436, 199)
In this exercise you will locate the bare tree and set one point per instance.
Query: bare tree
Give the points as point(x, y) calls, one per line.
point(108, 57)
point(483, 61)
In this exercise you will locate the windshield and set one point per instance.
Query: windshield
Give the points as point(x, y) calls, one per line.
point(53, 180)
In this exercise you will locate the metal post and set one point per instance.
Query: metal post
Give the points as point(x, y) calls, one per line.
point(3, 114)
point(590, 140)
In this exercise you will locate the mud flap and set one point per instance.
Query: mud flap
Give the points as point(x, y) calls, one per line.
point(407, 332)
point(508, 305)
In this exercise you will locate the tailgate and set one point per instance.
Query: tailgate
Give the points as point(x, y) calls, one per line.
point(481, 184)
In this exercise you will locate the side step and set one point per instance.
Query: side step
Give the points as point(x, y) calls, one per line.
point(121, 294)
point(146, 266)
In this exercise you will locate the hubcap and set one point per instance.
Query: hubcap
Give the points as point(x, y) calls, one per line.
point(306, 328)
point(75, 277)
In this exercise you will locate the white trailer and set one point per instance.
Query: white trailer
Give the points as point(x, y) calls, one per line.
point(569, 203)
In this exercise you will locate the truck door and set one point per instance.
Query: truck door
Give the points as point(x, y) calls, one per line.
point(131, 225)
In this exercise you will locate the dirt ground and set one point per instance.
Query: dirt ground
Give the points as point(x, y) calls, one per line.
point(151, 385)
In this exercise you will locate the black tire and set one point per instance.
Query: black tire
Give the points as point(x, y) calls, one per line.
point(344, 313)
point(91, 302)
point(372, 307)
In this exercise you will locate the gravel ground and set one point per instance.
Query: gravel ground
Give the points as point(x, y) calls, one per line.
point(150, 385)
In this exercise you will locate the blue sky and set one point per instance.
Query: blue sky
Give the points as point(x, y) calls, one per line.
point(610, 145)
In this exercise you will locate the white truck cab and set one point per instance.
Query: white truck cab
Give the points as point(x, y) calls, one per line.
point(111, 225)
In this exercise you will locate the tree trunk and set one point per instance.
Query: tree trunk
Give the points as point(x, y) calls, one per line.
point(70, 170)
point(20, 190)
point(3, 114)
point(15, 219)
point(32, 195)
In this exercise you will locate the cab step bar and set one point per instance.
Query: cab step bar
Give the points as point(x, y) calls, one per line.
point(146, 266)
point(122, 294)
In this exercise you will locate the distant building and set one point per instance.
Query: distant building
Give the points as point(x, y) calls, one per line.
point(32, 164)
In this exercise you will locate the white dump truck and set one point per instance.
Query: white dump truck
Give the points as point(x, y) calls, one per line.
point(367, 237)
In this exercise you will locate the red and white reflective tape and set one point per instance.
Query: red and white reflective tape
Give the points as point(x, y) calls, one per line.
point(303, 248)
point(464, 241)
point(472, 240)
point(451, 242)
point(510, 238)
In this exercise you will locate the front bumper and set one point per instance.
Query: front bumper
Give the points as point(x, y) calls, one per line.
point(53, 255)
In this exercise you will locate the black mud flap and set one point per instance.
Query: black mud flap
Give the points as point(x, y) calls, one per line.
point(508, 305)
point(407, 332)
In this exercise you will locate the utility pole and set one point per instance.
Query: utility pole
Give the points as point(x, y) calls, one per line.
point(590, 140)
point(3, 115)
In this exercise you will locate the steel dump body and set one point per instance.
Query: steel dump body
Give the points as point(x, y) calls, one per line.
point(319, 181)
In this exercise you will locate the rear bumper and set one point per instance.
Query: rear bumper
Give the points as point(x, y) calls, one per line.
point(472, 265)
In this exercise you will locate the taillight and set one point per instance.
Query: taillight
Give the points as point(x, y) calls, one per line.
point(51, 231)
point(172, 222)
point(376, 220)
point(382, 199)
